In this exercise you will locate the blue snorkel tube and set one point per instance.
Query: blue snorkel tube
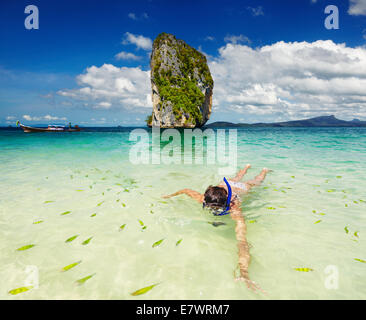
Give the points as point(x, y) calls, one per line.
point(228, 200)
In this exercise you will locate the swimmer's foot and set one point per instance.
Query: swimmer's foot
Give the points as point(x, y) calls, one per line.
point(266, 170)
point(251, 285)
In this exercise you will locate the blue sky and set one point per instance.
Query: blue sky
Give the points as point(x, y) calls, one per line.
point(271, 60)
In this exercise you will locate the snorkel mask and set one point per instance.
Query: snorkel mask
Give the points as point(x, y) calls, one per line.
point(228, 201)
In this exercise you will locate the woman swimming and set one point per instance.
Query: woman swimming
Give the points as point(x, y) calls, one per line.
point(225, 197)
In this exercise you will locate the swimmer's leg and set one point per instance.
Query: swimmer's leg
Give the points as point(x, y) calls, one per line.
point(241, 173)
point(258, 179)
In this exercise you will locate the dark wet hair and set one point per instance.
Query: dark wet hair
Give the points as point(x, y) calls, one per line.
point(215, 197)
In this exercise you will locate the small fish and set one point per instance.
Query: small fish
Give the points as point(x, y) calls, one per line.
point(360, 260)
point(83, 280)
point(70, 266)
point(71, 238)
point(93, 215)
point(361, 200)
point(100, 203)
point(271, 208)
point(293, 177)
point(314, 211)
point(126, 190)
point(178, 242)
point(144, 227)
point(330, 190)
point(123, 204)
point(143, 290)
point(65, 213)
point(141, 223)
point(152, 212)
point(339, 177)
point(48, 201)
point(20, 290)
point(217, 224)
point(356, 202)
point(26, 247)
point(303, 269)
point(317, 221)
point(157, 243)
point(85, 242)
point(79, 190)
point(356, 234)
point(122, 227)
point(346, 229)
point(252, 221)
point(38, 221)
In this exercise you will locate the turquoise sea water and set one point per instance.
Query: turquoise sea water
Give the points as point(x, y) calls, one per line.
point(309, 213)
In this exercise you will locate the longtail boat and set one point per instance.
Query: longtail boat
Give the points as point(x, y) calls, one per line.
point(50, 128)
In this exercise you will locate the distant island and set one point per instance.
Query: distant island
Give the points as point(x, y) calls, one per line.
point(323, 121)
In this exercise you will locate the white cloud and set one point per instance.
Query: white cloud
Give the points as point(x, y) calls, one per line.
point(40, 118)
point(209, 38)
point(140, 41)
point(133, 16)
point(258, 11)
point(127, 56)
point(276, 82)
point(9, 118)
point(237, 39)
point(357, 7)
point(111, 87)
point(291, 80)
point(103, 105)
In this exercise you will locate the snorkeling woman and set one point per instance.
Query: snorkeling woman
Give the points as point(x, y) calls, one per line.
point(225, 199)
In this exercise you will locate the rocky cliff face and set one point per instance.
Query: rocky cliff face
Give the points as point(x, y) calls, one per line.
point(181, 84)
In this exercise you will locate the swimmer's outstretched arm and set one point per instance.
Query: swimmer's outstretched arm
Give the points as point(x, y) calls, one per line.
point(244, 256)
point(193, 194)
point(241, 173)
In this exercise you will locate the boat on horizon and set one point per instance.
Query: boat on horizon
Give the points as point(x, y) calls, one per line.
point(50, 128)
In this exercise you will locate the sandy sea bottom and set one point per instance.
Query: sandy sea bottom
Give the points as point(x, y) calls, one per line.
point(309, 213)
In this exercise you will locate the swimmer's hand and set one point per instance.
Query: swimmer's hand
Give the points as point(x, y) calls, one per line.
point(193, 194)
point(251, 284)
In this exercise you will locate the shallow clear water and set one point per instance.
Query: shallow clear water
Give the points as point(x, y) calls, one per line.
point(313, 169)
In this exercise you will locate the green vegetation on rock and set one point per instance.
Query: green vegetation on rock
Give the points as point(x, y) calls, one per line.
point(182, 78)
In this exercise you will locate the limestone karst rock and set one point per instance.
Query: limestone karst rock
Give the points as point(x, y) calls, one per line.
point(181, 84)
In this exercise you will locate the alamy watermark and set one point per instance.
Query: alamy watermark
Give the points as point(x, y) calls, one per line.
point(332, 20)
point(32, 20)
point(331, 281)
point(186, 146)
